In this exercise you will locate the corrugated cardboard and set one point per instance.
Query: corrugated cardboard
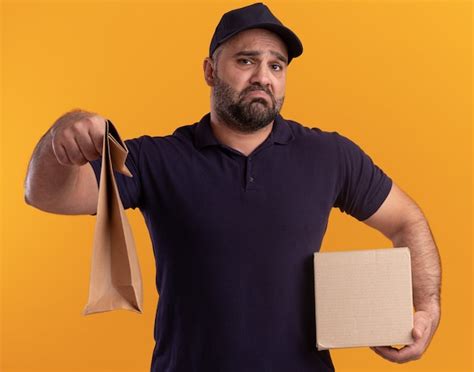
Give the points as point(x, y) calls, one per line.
point(115, 280)
point(363, 298)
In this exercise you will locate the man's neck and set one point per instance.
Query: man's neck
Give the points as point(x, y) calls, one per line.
point(243, 142)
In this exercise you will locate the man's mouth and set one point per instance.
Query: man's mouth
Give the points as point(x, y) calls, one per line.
point(257, 93)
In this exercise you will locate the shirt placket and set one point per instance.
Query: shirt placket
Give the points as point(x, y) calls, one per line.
point(250, 176)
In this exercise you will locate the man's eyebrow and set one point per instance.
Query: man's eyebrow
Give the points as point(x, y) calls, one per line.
point(253, 53)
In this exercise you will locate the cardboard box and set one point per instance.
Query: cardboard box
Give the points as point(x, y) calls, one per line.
point(363, 298)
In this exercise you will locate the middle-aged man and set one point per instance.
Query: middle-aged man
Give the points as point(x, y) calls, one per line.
point(236, 204)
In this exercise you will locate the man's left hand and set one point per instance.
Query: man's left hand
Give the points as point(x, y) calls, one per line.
point(424, 326)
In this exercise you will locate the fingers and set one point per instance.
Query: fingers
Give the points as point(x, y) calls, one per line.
point(421, 335)
point(97, 132)
point(61, 155)
point(403, 355)
point(86, 147)
point(97, 141)
point(67, 150)
point(77, 137)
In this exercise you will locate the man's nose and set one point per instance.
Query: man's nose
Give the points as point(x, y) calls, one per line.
point(261, 75)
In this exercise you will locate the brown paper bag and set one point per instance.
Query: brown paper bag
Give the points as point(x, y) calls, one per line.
point(115, 280)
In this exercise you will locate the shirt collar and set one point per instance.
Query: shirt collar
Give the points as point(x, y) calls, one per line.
point(281, 132)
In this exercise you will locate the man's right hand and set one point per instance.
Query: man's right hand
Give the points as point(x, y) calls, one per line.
point(59, 178)
point(77, 137)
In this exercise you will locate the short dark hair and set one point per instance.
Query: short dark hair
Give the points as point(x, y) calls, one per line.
point(216, 53)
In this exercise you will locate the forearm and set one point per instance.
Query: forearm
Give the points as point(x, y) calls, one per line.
point(48, 182)
point(426, 267)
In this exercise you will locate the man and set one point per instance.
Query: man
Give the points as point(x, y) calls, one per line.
point(236, 205)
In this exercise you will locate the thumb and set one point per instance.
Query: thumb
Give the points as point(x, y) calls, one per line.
point(417, 332)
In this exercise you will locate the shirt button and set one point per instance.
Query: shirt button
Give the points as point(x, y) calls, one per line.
point(251, 179)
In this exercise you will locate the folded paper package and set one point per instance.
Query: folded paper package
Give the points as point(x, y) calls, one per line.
point(363, 298)
point(115, 279)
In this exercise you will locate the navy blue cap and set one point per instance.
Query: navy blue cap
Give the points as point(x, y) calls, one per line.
point(254, 16)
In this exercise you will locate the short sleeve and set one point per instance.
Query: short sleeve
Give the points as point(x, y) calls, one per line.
point(129, 187)
point(362, 185)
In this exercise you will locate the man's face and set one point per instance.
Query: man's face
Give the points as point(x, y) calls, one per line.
point(249, 80)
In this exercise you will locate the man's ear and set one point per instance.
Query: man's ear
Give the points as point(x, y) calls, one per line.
point(209, 71)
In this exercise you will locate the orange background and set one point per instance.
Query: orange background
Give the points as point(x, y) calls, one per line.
point(394, 76)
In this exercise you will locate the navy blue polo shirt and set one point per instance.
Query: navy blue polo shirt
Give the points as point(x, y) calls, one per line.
point(234, 236)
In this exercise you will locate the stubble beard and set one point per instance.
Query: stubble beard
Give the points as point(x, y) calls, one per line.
point(241, 113)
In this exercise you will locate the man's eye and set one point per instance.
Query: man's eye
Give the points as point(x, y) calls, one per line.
point(276, 67)
point(245, 61)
